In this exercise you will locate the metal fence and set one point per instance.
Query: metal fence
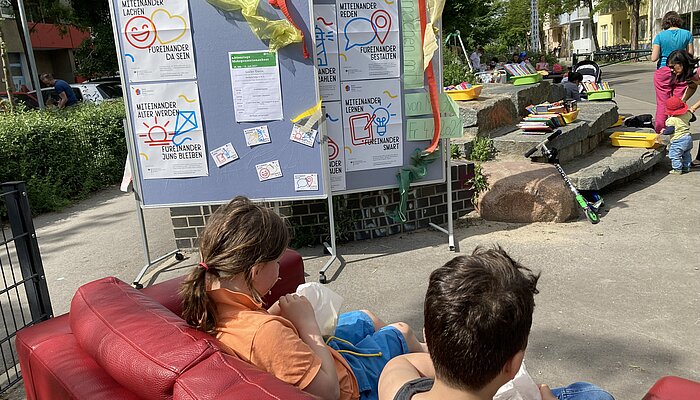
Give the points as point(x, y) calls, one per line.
point(24, 295)
point(613, 55)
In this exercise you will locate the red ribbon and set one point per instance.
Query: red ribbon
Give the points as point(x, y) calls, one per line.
point(432, 86)
point(282, 6)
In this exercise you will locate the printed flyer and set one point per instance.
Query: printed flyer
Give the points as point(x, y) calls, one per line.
point(169, 135)
point(369, 39)
point(373, 124)
point(256, 87)
point(156, 39)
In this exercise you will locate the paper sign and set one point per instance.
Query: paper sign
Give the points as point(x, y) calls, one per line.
point(303, 136)
point(369, 39)
point(305, 182)
point(269, 170)
point(256, 136)
point(167, 124)
point(224, 155)
point(419, 104)
point(156, 39)
point(255, 82)
point(326, 29)
point(413, 71)
point(372, 124)
point(419, 129)
point(336, 144)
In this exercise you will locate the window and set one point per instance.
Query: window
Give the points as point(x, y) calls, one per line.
point(604, 35)
point(686, 21)
point(643, 27)
point(6, 10)
point(696, 23)
point(17, 69)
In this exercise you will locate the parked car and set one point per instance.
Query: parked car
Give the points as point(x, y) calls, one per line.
point(97, 92)
point(20, 98)
point(52, 98)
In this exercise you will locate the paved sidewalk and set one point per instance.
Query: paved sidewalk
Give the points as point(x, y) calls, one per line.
point(618, 302)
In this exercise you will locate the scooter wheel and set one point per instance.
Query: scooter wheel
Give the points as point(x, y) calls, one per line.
point(592, 216)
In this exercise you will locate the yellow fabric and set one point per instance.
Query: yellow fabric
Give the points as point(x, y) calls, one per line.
point(280, 33)
point(430, 45)
point(681, 124)
point(313, 114)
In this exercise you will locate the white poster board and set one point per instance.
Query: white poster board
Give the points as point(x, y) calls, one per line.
point(156, 40)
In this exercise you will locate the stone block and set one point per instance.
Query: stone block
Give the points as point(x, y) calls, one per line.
point(521, 191)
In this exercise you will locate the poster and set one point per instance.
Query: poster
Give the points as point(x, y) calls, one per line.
point(156, 39)
point(169, 136)
point(255, 84)
point(336, 145)
point(372, 124)
point(326, 29)
point(369, 39)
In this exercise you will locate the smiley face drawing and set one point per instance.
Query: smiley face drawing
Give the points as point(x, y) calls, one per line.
point(140, 32)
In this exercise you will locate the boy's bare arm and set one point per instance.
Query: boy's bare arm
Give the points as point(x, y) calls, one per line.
point(403, 369)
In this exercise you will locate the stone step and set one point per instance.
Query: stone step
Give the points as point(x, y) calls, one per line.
point(502, 105)
point(577, 139)
point(608, 164)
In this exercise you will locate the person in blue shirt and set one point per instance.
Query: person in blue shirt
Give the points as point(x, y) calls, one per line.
point(672, 38)
point(63, 90)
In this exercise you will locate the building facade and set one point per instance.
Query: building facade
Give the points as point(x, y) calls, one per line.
point(689, 11)
point(53, 50)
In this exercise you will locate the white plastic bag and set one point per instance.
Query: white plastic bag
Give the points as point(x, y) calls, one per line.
point(326, 304)
point(522, 387)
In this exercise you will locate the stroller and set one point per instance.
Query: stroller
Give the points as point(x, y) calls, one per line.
point(589, 69)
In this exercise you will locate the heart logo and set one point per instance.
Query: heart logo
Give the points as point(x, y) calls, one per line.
point(170, 27)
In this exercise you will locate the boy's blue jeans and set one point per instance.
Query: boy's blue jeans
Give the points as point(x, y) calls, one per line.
point(679, 152)
point(581, 391)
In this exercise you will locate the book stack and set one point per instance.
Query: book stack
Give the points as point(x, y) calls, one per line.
point(595, 86)
point(541, 123)
point(517, 69)
point(559, 107)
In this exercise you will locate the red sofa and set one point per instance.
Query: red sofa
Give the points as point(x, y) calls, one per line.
point(121, 343)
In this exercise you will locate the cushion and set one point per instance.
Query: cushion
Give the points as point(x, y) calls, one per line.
point(674, 388)
point(137, 341)
point(222, 376)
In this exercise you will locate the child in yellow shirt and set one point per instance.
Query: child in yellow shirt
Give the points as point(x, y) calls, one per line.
point(678, 126)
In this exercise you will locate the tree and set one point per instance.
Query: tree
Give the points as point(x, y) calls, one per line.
point(632, 7)
point(591, 21)
point(473, 18)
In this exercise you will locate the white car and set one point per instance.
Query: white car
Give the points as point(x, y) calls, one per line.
point(97, 92)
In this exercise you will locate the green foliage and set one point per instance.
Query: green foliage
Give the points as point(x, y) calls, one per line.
point(455, 69)
point(478, 184)
point(455, 152)
point(63, 155)
point(474, 19)
point(482, 149)
point(344, 220)
point(97, 55)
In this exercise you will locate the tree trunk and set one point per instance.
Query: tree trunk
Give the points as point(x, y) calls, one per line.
point(7, 76)
point(36, 85)
point(594, 29)
point(634, 24)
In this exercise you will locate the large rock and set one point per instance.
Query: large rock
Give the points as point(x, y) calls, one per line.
point(522, 191)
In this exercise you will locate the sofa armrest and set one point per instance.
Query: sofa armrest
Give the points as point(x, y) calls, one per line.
point(222, 376)
point(673, 388)
point(291, 272)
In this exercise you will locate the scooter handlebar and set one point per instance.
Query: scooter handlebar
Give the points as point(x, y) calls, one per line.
point(551, 137)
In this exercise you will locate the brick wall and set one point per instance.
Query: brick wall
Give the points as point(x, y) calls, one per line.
point(358, 216)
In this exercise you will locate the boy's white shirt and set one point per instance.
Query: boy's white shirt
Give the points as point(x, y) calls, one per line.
point(522, 387)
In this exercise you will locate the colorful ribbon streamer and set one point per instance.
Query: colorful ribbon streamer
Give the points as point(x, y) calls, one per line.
point(279, 33)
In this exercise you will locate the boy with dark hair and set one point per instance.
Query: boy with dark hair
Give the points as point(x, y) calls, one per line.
point(571, 86)
point(478, 315)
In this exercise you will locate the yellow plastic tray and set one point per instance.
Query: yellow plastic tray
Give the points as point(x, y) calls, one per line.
point(526, 79)
point(570, 117)
point(633, 139)
point(465, 95)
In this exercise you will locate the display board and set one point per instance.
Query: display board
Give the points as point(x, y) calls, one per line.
point(210, 107)
point(369, 58)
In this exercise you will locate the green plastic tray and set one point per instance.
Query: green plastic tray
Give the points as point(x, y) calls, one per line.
point(526, 79)
point(601, 95)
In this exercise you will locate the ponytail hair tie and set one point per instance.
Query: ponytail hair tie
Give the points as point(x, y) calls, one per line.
point(204, 266)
